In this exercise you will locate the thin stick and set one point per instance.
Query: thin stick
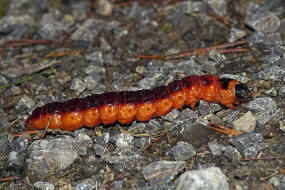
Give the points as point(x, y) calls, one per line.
point(225, 130)
point(269, 176)
point(24, 133)
point(195, 156)
point(264, 158)
point(200, 51)
point(220, 18)
point(9, 179)
point(152, 142)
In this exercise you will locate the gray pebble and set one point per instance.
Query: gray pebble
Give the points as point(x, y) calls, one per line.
point(260, 19)
point(19, 145)
point(5, 141)
point(40, 185)
point(183, 151)
point(78, 85)
point(103, 139)
point(236, 34)
point(141, 142)
point(281, 91)
point(262, 104)
point(232, 154)
point(45, 157)
point(246, 123)
point(216, 149)
point(25, 103)
point(246, 140)
point(100, 150)
point(207, 179)
point(88, 31)
point(218, 6)
point(162, 171)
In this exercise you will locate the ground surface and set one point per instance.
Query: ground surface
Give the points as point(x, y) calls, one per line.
point(84, 50)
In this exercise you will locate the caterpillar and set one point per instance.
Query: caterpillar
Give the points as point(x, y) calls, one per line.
point(142, 105)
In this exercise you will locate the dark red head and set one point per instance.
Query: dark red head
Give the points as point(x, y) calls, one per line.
point(242, 93)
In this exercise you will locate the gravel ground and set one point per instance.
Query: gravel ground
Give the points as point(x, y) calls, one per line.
point(84, 50)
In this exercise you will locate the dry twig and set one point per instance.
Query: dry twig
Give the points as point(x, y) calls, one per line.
point(201, 51)
point(9, 179)
point(225, 130)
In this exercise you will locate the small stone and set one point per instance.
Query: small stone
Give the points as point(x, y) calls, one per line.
point(232, 154)
point(273, 39)
point(218, 6)
point(274, 73)
point(96, 57)
point(78, 85)
point(251, 152)
point(88, 31)
point(3, 80)
point(271, 59)
point(40, 185)
point(162, 171)
point(126, 161)
point(123, 140)
point(271, 92)
point(91, 83)
point(262, 104)
point(147, 83)
point(183, 151)
point(25, 103)
point(205, 108)
point(87, 184)
point(188, 7)
point(44, 99)
point(172, 115)
point(96, 70)
point(100, 150)
point(5, 141)
point(246, 123)
point(79, 10)
point(104, 7)
point(13, 90)
point(83, 138)
point(247, 140)
point(256, 38)
point(281, 91)
point(260, 19)
point(263, 117)
point(19, 145)
point(282, 125)
point(137, 128)
point(275, 181)
point(207, 179)
point(45, 157)
point(141, 142)
point(278, 182)
point(103, 139)
point(15, 26)
point(51, 27)
point(15, 162)
point(236, 34)
point(91, 166)
point(216, 149)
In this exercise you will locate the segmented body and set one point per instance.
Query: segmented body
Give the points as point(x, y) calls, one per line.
point(125, 106)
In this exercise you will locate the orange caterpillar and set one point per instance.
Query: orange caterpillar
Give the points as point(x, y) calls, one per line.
point(141, 105)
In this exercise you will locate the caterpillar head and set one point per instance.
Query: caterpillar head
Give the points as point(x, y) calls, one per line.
point(242, 93)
